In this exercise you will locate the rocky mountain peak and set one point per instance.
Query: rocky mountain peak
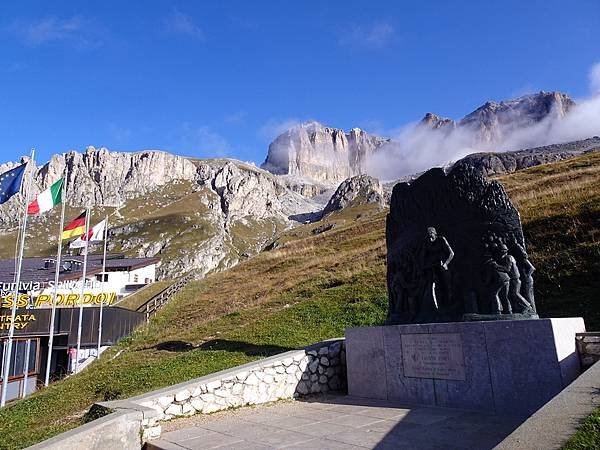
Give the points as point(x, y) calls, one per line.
point(358, 190)
point(493, 120)
point(324, 154)
point(522, 110)
point(434, 122)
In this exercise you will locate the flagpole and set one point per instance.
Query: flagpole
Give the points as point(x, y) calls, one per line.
point(11, 331)
point(103, 281)
point(85, 258)
point(17, 240)
point(56, 275)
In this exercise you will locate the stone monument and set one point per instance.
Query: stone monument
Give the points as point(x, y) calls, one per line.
point(462, 329)
point(456, 251)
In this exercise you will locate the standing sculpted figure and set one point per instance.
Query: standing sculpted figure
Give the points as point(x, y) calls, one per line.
point(526, 269)
point(514, 300)
point(436, 255)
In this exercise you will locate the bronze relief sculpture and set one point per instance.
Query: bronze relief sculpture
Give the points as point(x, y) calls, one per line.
point(456, 251)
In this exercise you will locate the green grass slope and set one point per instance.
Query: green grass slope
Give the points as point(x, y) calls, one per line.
point(588, 434)
point(312, 286)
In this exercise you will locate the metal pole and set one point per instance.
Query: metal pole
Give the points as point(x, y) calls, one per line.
point(13, 313)
point(87, 241)
point(4, 344)
point(56, 277)
point(103, 290)
point(26, 368)
point(17, 240)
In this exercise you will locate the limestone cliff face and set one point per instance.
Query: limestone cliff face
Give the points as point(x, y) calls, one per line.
point(320, 153)
point(198, 216)
point(98, 177)
point(102, 177)
point(246, 191)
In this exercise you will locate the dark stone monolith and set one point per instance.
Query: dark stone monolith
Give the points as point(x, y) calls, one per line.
point(456, 251)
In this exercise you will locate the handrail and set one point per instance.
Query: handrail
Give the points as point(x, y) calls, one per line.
point(158, 301)
point(142, 307)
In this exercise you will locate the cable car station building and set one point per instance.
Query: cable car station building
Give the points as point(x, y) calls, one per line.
point(122, 277)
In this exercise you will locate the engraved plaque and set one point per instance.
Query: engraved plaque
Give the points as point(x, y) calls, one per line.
point(436, 355)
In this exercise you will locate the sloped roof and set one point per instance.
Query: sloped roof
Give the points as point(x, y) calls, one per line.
point(34, 271)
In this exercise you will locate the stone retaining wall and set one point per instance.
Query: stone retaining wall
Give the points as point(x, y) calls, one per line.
point(588, 347)
point(119, 430)
point(317, 369)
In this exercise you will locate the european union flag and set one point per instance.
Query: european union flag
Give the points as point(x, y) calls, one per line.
point(10, 182)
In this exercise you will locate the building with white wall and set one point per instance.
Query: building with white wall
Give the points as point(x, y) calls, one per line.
point(122, 277)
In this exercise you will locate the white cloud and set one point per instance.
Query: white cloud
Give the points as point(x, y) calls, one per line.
point(36, 32)
point(182, 24)
point(204, 139)
point(274, 127)
point(594, 77)
point(415, 148)
point(374, 36)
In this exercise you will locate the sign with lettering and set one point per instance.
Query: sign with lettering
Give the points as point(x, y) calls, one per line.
point(21, 321)
point(63, 300)
point(436, 355)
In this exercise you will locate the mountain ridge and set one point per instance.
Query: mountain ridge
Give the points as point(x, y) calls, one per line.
point(200, 215)
point(210, 214)
point(330, 155)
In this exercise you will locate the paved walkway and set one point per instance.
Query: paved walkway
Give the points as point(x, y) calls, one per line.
point(336, 423)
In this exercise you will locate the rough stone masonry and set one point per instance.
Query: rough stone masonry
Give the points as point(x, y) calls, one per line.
point(317, 369)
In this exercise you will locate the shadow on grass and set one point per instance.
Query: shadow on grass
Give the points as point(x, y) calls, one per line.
point(174, 346)
point(222, 345)
point(244, 347)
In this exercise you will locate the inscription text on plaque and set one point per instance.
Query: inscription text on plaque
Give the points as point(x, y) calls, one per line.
point(436, 355)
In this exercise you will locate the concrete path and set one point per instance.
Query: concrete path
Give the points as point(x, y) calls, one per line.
point(336, 423)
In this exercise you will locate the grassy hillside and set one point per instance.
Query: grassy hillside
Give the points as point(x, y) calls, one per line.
point(311, 288)
point(317, 281)
point(170, 202)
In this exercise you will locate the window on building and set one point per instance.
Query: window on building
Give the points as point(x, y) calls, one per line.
point(19, 357)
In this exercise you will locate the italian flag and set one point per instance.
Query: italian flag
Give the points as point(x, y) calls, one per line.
point(47, 199)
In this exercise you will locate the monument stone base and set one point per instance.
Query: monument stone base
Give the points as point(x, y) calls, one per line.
point(507, 367)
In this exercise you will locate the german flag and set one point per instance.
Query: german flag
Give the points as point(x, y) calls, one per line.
point(76, 228)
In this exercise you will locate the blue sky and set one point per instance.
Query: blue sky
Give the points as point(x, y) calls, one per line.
point(221, 78)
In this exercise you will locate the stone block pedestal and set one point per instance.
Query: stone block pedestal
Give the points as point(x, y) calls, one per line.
point(507, 367)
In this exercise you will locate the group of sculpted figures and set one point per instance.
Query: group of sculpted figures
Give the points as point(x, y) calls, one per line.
point(509, 275)
point(421, 281)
